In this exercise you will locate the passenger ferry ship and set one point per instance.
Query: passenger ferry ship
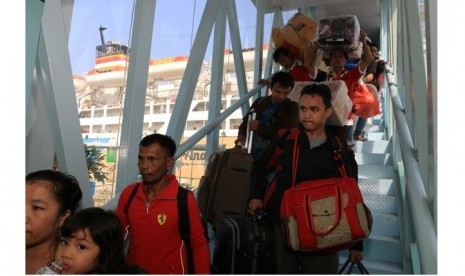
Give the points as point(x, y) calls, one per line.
point(100, 95)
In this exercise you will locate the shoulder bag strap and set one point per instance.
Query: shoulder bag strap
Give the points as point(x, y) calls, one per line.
point(295, 159)
point(273, 163)
point(184, 226)
point(338, 158)
point(279, 149)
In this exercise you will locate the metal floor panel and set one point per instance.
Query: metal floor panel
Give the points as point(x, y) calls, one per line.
point(373, 158)
point(383, 248)
point(376, 128)
point(380, 249)
point(381, 204)
point(375, 171)
point(375, 136)
point(386, 225)
point(381, 146)
point(377, 186)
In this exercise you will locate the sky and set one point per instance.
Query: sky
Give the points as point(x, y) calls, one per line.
point(12, 117)
point(173, 29)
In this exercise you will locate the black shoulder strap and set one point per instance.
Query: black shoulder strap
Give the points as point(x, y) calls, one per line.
point(131, 197)
point(277, 152)
point(184, 226)
point(338, 156)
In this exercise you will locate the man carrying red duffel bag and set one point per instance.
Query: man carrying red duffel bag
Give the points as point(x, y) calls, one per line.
point(311, 153)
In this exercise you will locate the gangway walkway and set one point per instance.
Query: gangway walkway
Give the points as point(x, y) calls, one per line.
point(397, 165)
point(383, 249)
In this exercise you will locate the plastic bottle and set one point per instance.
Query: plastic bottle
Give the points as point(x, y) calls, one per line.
point(53, 268)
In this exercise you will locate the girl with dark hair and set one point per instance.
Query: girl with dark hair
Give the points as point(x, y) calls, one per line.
point(91, 243)
point(51, 197)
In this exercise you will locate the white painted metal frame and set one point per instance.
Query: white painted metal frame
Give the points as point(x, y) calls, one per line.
point(271, 66)
point(419, 90)
point(34, 10)
point(191, 75)
point(59, 101)
point(431, 68)
point(259, 29)
point(237, 52)
point(216, 87)
point(134, 99)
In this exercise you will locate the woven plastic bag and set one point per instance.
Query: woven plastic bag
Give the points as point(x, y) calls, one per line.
point(365, 100)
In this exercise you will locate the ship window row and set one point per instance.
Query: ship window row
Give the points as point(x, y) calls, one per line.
point(149, 109)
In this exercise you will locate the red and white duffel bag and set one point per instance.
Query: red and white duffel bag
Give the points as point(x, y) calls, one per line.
point(324, 215)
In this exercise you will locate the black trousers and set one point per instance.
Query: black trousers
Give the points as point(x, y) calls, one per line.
point(288, 262)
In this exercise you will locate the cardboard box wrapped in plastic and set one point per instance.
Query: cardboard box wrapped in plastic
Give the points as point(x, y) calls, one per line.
point(298, 27)
point(340, 101)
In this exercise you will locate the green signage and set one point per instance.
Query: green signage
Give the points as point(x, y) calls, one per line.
point(111, 155)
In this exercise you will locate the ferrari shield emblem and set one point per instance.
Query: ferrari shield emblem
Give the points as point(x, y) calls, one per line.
point(161, 219)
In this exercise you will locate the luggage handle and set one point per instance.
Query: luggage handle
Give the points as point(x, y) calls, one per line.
point(249, 135)
point(328, 230)
point(359, 264)
point(240, 145)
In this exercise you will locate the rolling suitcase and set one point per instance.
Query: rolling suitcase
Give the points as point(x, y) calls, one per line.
point(224, 189)
point(245, 245)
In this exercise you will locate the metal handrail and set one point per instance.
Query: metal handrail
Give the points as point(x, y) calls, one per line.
point(191, 142)
point(214, 123)
point(423, 222)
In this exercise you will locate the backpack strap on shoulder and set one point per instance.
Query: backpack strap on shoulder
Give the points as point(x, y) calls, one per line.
point(126, 209)
point(131, 197)
point(184, 226)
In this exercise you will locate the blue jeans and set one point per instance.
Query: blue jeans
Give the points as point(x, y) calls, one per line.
point(361, 122)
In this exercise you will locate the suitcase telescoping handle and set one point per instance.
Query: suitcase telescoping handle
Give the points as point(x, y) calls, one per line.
point(249, 135)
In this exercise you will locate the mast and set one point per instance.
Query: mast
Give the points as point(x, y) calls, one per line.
point(101, 29)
